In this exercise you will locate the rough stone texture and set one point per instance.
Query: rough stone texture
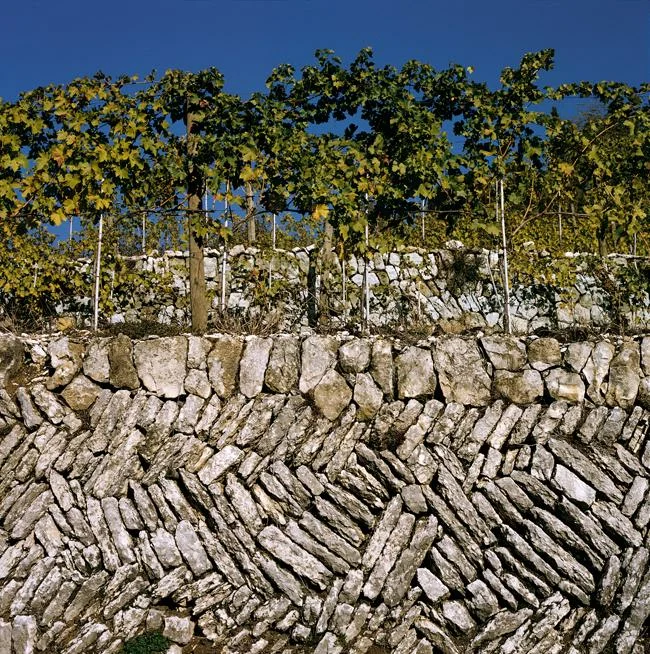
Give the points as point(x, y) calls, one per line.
point(624, 377)
point(122, 372)
point(253, 365)
point(563, 385)
point(524, 387)
point(332, 395)
point(272, 521)
point(461, 372)
point(80, 393)
point(318, 356)
point(161, 365)
point(11, 357)
point(223, 364)
point(505, 352)
point(544, 353)
point(415, 373)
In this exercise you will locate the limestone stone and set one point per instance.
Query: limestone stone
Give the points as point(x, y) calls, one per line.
point(645, 355)
point(367, 396)
point(96, 365)
point(223, 365)
point(24, 634)
point(415, 374)
point(179, 630)
point(197, 383)
point(624, 377)
point(332, 395)
point(596, 370)
point(80, 393)
point(643, 396)
point(457, 614)
point(461, 372)
point(120, 356)
point(433, 588)
point(563, 385)
point(252, 367)
point(66, 359)
point(524, 387)
point(318, 356)
point(354, 356)
point(191, 548)
point(505, 352)
point(544, 353)
point(573, 486)
point(577, 355)
point(381, 366)
point(283, 366)
point(11, 358)
point(162, 365)
point(165, 548)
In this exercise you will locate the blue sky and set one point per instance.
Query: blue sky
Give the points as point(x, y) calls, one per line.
point(48, 41)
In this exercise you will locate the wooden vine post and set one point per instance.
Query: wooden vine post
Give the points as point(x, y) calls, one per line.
point(198, 295)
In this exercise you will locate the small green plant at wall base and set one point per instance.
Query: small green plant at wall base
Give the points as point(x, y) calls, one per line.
point(146, 644)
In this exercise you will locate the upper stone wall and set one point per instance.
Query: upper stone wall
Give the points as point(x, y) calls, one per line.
point(455, 287)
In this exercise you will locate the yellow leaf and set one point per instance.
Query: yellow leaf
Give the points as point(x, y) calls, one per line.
point(320, 211)
point(565, 168)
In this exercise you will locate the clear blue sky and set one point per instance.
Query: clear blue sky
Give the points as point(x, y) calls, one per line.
point(46, 41)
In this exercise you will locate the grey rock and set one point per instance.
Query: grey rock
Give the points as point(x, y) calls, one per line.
point(381, 366)
point(80, 393)
point(120, 536)
point(197, 383)
point(457, 614)
point(179, 630)
point(415, 373)
point(580, 464)
point(191, 549)
point(397, 540)
point(120, 356)
point(31, 416)
point(252, 367)
point(223, 365)
point(11, 358)
point(367, 396)
point(399, 579)
point(318, 356)
point(220, 463)
point(66, 359)
point(433, 588)
point(624, 377)
point(461, 372)
point(161, 364)
point(483, 601)
point(524, 387)
point(164, 546)
point(332, 394)
point(96, 365)
point(563, 385)
point(24, 634)
point(48, 404)
point(544, 353)
point(505, 352)
point(573, 486)
point(577, 355)
point(638, 491)
point(283, 367)
point(354, 356)
point(596, 370)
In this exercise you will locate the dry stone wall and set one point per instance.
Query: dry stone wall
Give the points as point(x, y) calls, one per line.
point(325, 494)
point(452, 285)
